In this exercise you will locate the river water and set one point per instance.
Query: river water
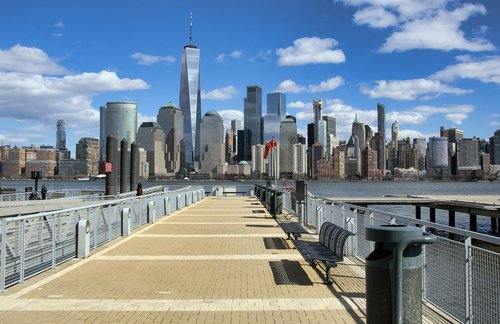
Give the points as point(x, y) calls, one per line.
point(327, 189)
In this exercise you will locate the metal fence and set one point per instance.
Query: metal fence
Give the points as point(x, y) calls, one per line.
point(461, 279)
point(35, 243)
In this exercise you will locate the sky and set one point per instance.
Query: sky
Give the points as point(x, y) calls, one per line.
point(431, 63)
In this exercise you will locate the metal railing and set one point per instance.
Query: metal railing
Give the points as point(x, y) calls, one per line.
point(32, 244)
point(459, 278)
point(15, 197)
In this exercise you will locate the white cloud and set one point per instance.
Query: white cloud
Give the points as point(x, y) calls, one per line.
point(439, 32)
point(456, 114)
point(146, 59)
point(59, 24)
point(143, 118)
point(375, 17)
point(407, 117)
point(29, 60)
point(30, 100)
point(262, 56)
point(486, 71)
point(58, 34)
point(229, 114)
point(236, 54)
point(422, 24)
point(226, 93)
point(220, 58)
point(410, 89)
point(290, 86)
point(404, 133)
point(327, 85)
point(299, 105)
point(310, 50)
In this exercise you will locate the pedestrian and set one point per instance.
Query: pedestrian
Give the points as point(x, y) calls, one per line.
point(44, 192)
point(139, 189)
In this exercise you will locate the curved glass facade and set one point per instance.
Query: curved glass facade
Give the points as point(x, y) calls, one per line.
point(190, 103)
point(120, 120)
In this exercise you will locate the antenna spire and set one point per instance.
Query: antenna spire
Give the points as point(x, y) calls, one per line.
point(190, 28)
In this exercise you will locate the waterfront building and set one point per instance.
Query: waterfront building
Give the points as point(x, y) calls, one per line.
point(322, 135)
point(234, 171)
point(14, 164)
point(310, 134)
point(299, 158)
point(235, 127)
point(271, 126)
point(171, 121)
point(317, 108)
point(420, 145)
point(211, 142)
point(151, 138)
point(485, 163)
point(258, 159)
point(437, 155)
point(338, 163)
point(87, 150)
point(454, 135)
point(316, 155)
point(75, 168)
point(61, 148)
point(358, 129)
point(495, 148)
point(331, 132)
point(143, 164)
point(276, 104)
point(228, 149)
point(468, 154)
point(243, 140)
point(395, 135)
point(43, 160)
point(368, 135)
point(190, 102)
point(252, 118)
point(368, 163)
point(118, 119)
point(288, 136)
point(381, 156)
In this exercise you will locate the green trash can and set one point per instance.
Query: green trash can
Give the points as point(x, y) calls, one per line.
point(394, 274)
point(271, 200)
point(278, 203)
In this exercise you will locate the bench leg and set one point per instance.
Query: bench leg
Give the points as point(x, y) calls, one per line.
point(328, 280)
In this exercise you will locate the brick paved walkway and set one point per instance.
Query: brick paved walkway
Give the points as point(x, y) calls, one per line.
point(218, 261)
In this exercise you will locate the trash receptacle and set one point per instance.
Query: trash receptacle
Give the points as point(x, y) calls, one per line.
point(278, 203)
point(268, 197)
point(271, 201)
point(394, 274)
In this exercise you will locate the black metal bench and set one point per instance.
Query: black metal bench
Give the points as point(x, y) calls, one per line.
point(329, 249)
point(292, 228)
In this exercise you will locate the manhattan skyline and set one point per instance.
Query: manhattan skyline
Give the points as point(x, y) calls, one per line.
point(431, 63)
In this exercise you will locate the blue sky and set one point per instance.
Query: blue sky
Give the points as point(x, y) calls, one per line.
point(431, 63)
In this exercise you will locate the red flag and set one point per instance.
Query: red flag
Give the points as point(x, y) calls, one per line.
point(269, 145)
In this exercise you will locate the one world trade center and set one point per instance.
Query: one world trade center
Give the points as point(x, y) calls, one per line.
point(189, 100)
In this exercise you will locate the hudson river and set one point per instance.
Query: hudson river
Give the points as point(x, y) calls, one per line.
point(323, 189)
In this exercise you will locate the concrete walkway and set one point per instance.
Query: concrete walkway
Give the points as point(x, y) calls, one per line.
point(222, 260)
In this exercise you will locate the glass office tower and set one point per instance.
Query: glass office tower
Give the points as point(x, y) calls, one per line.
point(253, 118)
point(276, 104)
point(190, 102)
point(381, 130)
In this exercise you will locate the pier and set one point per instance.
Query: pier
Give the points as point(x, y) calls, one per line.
point(473, 205)
point(222, 259)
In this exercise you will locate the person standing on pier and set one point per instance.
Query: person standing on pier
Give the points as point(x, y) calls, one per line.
point(139, 189)
point(44, 192)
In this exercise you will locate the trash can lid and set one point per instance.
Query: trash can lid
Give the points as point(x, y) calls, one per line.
point(391, 233)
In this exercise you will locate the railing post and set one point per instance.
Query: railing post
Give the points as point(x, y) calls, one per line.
point(469, 314)
point(53, 241)
point(109, 223)
point(94, 219)
point(3, 252)
point(424, 268)
point(21, 251)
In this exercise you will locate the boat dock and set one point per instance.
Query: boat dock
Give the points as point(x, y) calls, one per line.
point(219, 260)
point(474, 205)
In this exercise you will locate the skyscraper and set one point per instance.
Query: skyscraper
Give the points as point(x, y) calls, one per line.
point(359, 130)
point(211, 142)
point(171, 121)
point(151, 138)
point(190, 102)
point(317, 107)
point(495, 148)
point(120, 120)
point(61, 135)
point(276, 104)
point(395, 134)
point(438, 153)
point(252, 118)
point(381, 143)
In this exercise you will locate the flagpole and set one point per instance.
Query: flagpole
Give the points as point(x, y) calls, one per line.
point(276, 166)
